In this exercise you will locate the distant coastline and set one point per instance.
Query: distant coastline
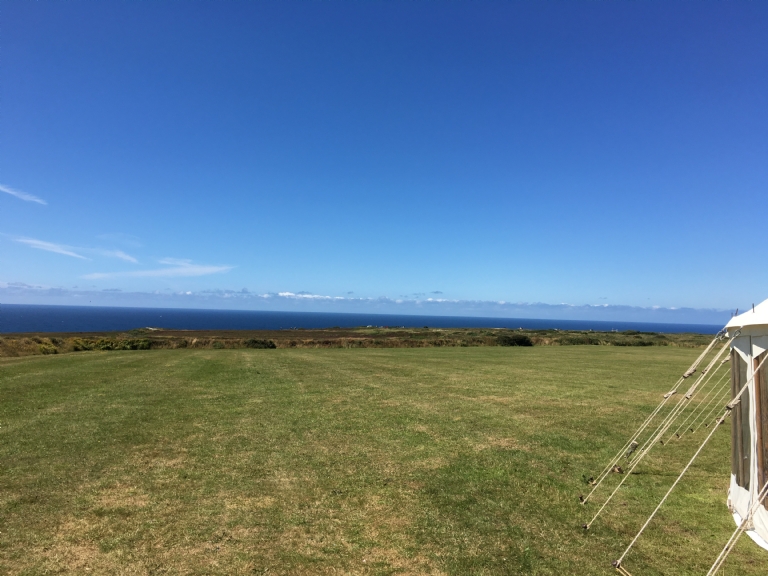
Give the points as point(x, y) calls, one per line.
point(21, 318)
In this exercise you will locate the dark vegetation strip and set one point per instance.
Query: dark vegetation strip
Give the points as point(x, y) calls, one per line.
point(151, 338)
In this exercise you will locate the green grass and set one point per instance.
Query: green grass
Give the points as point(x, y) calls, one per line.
point(333, 461)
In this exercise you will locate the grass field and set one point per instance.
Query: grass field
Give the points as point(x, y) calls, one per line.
point(333, 461)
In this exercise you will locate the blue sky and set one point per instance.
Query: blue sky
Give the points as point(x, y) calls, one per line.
point(589, 153)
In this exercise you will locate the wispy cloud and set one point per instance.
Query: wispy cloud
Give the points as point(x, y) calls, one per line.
point(118, 254)
point(50, 247)
point(74, 251)
point(173, 268)
point(22, 195)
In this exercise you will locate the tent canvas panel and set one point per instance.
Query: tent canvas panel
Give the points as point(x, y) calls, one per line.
point(735, 423)
point(739, 498)
point(740, 429)
point(760, 531)
point(759, 344)
point(749, 427)
point(761, 413)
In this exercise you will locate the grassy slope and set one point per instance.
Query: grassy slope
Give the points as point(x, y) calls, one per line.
point(379, 461)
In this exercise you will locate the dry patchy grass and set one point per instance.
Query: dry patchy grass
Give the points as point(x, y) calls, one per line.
point(389, 461)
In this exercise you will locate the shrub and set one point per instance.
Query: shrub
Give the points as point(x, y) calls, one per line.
point(579, 340)
point(138, 344)
point(633, 343)
point(514, 340)
point(218, 345)
point(79, 344)
point(46, 348)
point(104, 344)
point(254, 343)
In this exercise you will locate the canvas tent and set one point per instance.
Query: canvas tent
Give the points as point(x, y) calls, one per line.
point(749, 419)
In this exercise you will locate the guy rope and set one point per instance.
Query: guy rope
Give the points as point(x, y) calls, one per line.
point(706, 420)
point(661, 429)
point(694, 414)
point(617, 563)
point(720, 395)
point(745, 522)
point(684, 402)
point(627, 449)
point(740, 529)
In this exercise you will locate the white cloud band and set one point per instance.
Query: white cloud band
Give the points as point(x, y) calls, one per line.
point(74, 251)
point(20, 293)
point(50, 247)
point(175, 269)
point(22, 195)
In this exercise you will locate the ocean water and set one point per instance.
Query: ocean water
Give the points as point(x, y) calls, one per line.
point(16, 318)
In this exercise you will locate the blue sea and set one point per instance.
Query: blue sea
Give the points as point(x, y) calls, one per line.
point(15, 318)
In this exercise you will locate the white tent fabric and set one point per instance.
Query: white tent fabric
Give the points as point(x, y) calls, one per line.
point(758, 317)
point(750, 339)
